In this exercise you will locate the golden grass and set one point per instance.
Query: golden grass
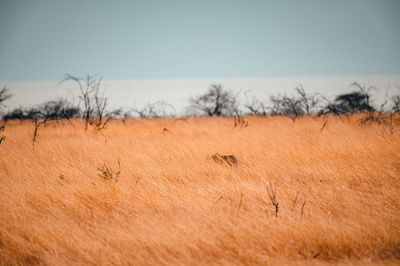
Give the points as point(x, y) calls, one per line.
point(173, 204)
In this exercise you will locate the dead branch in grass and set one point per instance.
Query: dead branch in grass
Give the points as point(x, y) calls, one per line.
point(272, 196)
point(240, 203)
point(294, 201)
point(302, 209)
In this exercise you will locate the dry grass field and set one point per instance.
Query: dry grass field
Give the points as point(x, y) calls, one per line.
point(66, 200)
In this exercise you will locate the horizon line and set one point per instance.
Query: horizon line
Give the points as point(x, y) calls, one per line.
point(204, 78)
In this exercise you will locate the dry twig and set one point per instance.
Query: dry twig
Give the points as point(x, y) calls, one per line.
point(272, 196)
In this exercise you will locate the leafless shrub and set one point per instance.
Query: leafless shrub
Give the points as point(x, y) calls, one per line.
point(360, 101)
point(391, 123)
point(310, 102)
point(254, 106)
point(4, 94)
point(383, 115)
point(286, 106)
point(395, 111)
point(238, 117)
point(295, 106)
point(122, 115)
point(379, 116)
point(101, 116)
point(100, 103)
point(330, 107)
point(228, 159)
point(156, 110)
point(395, 103)
point(272, 196)
point(51, 111)
point(109, 174)
point(365, 103)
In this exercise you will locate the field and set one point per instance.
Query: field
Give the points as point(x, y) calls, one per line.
point(149, 193)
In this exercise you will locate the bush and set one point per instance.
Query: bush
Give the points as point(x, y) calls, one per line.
point(349, 103)
point(295, 106)
point(215, 102)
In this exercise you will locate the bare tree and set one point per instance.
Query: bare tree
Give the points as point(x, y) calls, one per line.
point(215, 102)
point(94, 102)
point(286, 106)
point(310, 102)
point(121, 114)
point(155, 110)
point(396, 102)
point(295, 106)
point(100, 116)
point(87, 87)
point(4, 94)
point(255, 106)
point(57, 110)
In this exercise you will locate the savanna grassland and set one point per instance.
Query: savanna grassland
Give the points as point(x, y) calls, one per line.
point(149, 193)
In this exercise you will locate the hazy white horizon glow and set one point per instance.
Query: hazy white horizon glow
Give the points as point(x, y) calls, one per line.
point(138, 93)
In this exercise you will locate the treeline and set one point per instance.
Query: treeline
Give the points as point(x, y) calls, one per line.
point(216, 101)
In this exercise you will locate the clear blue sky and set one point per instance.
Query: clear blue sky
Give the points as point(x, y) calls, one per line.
point(44, 39)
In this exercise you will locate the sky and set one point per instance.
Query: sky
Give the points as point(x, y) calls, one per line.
point(42, 40)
